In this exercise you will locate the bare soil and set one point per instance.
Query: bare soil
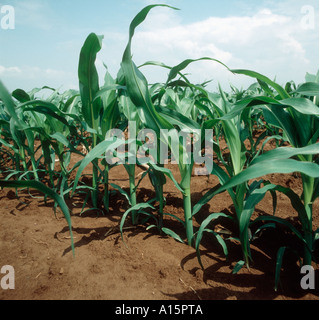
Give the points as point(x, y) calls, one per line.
point(147, 265)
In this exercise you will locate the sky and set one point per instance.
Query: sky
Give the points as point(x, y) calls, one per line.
point(279, 39)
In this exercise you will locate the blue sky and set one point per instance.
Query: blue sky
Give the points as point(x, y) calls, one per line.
point(271, 37)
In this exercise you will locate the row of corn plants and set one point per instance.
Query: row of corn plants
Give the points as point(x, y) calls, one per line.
point(39, 136)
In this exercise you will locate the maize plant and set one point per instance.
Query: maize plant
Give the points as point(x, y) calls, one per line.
point(298, 118)
point(141, 124)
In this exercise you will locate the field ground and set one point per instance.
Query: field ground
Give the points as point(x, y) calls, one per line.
point(152, 267)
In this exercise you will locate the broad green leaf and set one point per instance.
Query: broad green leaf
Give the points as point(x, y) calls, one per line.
point(286, 153)
point(177, 119)
point(88, 79)
point(280, 118)
point(272, 166)
point(302, 105)
point(281, 91)
point(10, 106)
point(21, 95)
point(245, 215)
point(309, 89)
point(136, 83)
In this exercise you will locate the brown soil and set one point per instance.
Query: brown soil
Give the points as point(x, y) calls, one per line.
point(148, 266)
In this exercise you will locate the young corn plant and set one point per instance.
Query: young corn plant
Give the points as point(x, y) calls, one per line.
point(100, 112)
point(161, 120)
point(138, 91)
point(21, 125)
point(232, 131)
point(286, 113)
point(297, 115)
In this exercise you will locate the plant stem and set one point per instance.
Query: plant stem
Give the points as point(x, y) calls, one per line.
point(308, 248)
point(22, 157)
point(161, 206)
point(308, 237)
point(106, 188)
point(131, 172)
point(308, 187)
point(95, 184)
point(188, 215)
point(95, 177)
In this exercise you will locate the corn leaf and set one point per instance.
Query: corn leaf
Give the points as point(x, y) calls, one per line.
point(281, 91)
point(89, 81)
point(272, 166)
point(286, 152)
point(96, 152)
point(177, 69)
point(203, 229)
point(10, 106)
point(309, 89)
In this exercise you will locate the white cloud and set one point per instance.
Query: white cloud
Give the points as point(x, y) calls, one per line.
point(267, 42)
point(34, 13)
point(9, 71)
point(30, 77)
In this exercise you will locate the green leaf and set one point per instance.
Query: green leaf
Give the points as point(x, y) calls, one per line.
point(177, 119)
point(286, 153)
point(96, 152)
point(122, 192)
point(282, 92)
point(302, 105)
point(177, 69)
point(284, 223)
point(10, 106)
point(309, 89)
point(21, 95)
point(245, 215)
point(175, 217)
point(280, 255)
point(238, 266)
point(272, 166)
point(89, 80)
point(168, 173)
point(202, 229)
point(135, 208)
point(172, 234)
point(136, 83)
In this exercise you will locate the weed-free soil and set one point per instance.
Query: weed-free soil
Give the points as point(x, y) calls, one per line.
point(147, 265)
